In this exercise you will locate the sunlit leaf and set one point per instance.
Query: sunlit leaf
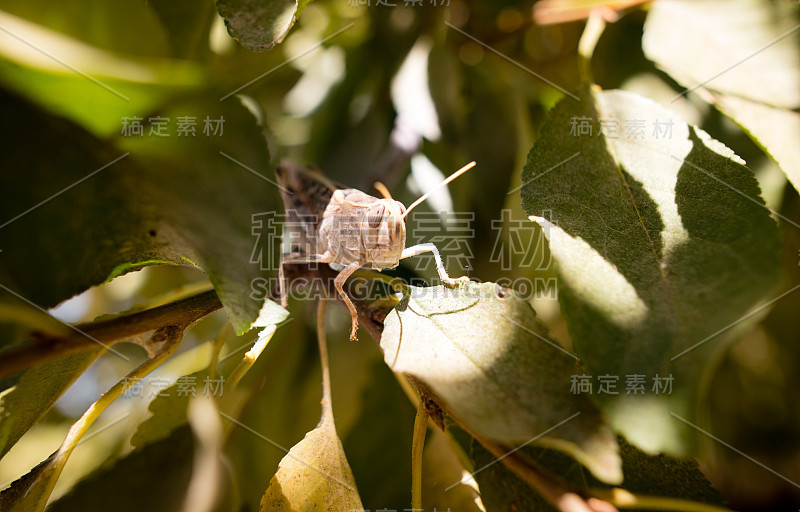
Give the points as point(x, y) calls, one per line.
point(749, 49)
point(314, 475)
point(481, 349)
point(746, 56)
point(116, 27)
point(662, 243)
point(776, 130)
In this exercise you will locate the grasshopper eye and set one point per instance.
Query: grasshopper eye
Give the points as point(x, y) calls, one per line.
point(375, 216)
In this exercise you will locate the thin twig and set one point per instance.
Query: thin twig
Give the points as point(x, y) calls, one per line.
point(34, 493)
point(323, 357)
point(47, 348)
point(417, 444)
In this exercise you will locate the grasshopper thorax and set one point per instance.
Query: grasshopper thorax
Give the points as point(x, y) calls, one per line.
point(383, 233)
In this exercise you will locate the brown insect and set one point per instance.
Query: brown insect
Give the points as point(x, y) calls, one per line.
point(347, 228)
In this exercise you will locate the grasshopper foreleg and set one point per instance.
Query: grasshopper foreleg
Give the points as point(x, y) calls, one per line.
point(429, 247)
point(339, 284)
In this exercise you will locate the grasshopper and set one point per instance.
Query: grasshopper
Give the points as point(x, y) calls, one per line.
point(347, 228)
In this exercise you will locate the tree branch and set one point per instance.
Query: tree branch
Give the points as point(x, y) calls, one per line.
point(44, 348)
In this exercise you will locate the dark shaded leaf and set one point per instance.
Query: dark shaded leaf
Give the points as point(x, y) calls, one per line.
point(663, 243)
point(153, 478)
point(153, 200)
point(384, 427)
point(36, 392)
point(260, 24)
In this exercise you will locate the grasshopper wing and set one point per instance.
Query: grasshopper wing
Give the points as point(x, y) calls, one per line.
point(305, 193)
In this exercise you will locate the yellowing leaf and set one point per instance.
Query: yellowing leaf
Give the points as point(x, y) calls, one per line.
point(314, 475)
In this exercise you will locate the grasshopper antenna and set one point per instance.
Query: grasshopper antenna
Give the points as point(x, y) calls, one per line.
point(380, 187)
point(443, 183)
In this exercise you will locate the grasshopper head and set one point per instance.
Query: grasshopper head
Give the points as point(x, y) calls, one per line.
point(383, 232)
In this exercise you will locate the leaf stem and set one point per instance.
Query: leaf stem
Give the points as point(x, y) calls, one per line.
point(217, 343)
point(417, 444)
point(323, 356)
point(625, 499)
point(591, 34)
point(250, 357)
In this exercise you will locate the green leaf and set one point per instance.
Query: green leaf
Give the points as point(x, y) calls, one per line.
point(745, 59)
point(260, 24)
point(662, 245)
point(661, 475)
point(37, 390)
point(168, 412)
point(148, 200)
point(117, 27)
point(749, 49)
point(314, 475)
point(31, 319)
point(441, 468)
point(170, 409)
point(187, 23)
point(501, 489)
point(776, 130)
point(154, 478)
point(483, 352)
point(19, 319)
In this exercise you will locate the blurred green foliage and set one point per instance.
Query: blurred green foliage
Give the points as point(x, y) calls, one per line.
point(73, 75)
